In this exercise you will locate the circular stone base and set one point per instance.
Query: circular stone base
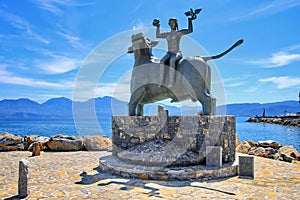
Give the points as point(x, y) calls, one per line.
point(159, 153)
point(113, 165)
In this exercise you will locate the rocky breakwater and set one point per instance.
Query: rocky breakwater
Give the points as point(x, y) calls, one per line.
point(37, 143)
point(293, 120)
point(269, 149)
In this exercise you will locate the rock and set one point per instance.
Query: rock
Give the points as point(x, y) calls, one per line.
point(251, 150)
point(252, 119)
point(10, 142)
point(289, 151)
point(269, 143)
point(276, 156)
point(36, 149)
point(97, 143)
point(64, 143)
point(29, 139)
point(9, 148)
point(271, 152)
point(243, 147)
point(7, 139)
point(252, 143)
point(259, 151)
point(42, 140)
point(286, 158)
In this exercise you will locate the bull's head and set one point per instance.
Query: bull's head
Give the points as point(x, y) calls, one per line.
point(139, 41)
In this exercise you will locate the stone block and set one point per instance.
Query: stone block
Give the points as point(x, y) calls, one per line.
point(23, 187)
point(214, 156)
point(246, 166)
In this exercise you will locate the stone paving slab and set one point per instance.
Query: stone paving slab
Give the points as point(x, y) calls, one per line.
point(75, 175)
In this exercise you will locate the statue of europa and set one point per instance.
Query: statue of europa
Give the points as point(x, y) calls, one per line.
point(173, 76)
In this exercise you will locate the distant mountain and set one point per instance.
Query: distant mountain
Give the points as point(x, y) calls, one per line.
point(10, 107)
point(57, 107)
point(272, 109)
point(108, 106)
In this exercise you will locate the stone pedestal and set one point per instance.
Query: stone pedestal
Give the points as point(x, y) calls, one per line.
point(167, 147)
point(144, 139)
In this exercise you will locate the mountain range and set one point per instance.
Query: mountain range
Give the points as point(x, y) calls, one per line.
point(108, 106)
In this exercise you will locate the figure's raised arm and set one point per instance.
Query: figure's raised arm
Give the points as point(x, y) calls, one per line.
point(193, 15)
point(158, 33)
point(190, 27)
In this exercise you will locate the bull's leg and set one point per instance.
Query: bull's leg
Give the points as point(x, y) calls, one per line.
point(208, 103)
point(132, 108)
point(134, 101)
point(140, 109)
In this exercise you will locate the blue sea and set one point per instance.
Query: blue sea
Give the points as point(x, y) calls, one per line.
point(285, 135)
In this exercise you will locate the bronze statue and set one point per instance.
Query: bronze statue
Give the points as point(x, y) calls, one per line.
point(173, 39)
point(193, 78)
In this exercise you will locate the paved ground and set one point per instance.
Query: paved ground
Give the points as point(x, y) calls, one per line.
point(74, 175)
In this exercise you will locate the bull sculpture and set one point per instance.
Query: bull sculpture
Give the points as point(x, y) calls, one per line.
point(192, 78)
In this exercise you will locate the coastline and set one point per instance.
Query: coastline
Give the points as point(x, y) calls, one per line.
point(286, 120)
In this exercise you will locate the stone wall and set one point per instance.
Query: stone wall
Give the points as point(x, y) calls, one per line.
point(192, 133)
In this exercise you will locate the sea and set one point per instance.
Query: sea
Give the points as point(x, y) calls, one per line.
point(284, 135)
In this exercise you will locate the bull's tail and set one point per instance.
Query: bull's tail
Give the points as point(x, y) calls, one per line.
point(206, 58)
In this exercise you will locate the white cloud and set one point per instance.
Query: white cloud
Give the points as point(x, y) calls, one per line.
point(53, 6)
point(73, 40)
point(282, 81)
point(235, 82)
point(271, 8)
point(138, 25)
point(278, 60)
point(250, 89)
point(10, 78)
point(22, 25)
point(59, 64)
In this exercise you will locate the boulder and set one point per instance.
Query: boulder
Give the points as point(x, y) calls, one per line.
point(38, 138)
point(259, 151)
point(276, 156)
point(289, 151)
point(286, 158)
point(243, 147)
point(251, 150)
point(36, 149)
point(42, 140)
point(7, 139)
point(29, 139)
point(269, 143)
point(64, 143)
point(97, 143)
point(252, 143)
point(271, 152)
point(10, 142)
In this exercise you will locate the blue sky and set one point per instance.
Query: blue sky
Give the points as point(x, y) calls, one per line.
point(45, 43)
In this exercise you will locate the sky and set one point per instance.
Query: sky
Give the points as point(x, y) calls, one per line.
point(46, 45)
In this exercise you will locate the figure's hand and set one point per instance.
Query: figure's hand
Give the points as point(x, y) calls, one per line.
point(193, 17)
point(156, 22)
